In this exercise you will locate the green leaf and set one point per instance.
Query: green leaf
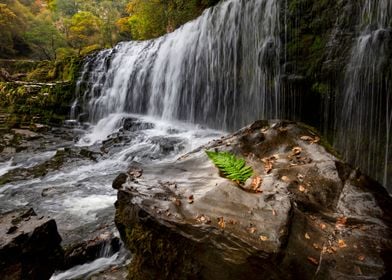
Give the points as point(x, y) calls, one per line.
point(232, 168)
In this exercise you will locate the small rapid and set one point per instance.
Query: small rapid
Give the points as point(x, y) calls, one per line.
point(79, 194)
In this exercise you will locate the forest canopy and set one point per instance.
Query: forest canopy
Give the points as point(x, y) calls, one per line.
point(51, 29)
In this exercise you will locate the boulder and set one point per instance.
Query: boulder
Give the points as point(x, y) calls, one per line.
point(305, 214)
point(29, 246)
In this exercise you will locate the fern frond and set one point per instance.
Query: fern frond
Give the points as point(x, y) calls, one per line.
point(232, 168)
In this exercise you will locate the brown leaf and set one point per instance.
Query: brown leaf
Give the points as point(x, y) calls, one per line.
point(302, 188)
point(176, 201)
point(285, 179)
point(310, 139)
point(313, 260)
point(252, 229)
point(316, 246)
point(190, 199)
point(256, 184)
point(323, 226)
point(203, 219)
point(296, 151)
point(307, 138)
point(361, 258)
point(307, 236)
point(341, 222)
point(341, 243)
point(300, 177)
point(268, 163)
point(263, 238)
point(221, 222)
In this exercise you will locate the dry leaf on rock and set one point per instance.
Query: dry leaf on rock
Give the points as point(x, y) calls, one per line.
point(221, 222)
point(361, 258)
point(256, 184)
point(252, 229)
point(341, 243)
point(263, 238)
point(285, 179)
point(176, 201)
point(203, 219)
point(311, 140)
point(341, 222)
point(296, 151)
point(307, 236)
point(313, 260)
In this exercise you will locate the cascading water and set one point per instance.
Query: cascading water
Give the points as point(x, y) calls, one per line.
point(221, 70)
point(224, 70)
point(364, 108)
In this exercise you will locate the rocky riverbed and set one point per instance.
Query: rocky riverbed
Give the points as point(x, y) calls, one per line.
point(66, 174)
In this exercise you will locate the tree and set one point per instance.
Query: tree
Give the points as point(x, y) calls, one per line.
point(84, 30)
point(7, 24)
point(44, 38)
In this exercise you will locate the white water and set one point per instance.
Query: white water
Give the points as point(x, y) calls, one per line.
point(79, 196)
point(207, 71)
point(224, 70)
point(364, 113)
point(87, 270)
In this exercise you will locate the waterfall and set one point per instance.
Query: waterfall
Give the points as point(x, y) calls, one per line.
point(224, 70)
point(364, 113)
point(221, 70)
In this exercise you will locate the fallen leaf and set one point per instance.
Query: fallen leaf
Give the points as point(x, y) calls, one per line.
point(221, 222)
point(361, 258)
point(323, 226)
point(176, 201)
point(203, 219)
point(285, 179)
point(263, 238)
point(313, 260)
point(190, 199)
point(300, 177)
point(316, 246)
point(256, 184)
point(296, 151)
point(310, 139)
point(252, 229)
point(283, 129)
point(302, 188)
point(341, 222)
point(306, 138)
point(268, 163)
point(268, 167)
point(307, 236)
point(341, 243)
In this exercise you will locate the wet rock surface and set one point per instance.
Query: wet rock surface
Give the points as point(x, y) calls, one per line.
point(29, 246)
point(312, 216)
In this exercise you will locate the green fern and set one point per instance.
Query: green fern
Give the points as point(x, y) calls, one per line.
point(232, 168)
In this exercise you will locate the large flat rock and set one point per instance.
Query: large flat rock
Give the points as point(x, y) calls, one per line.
point(312, 217)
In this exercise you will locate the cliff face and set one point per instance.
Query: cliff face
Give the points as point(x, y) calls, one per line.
point(308, 216)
